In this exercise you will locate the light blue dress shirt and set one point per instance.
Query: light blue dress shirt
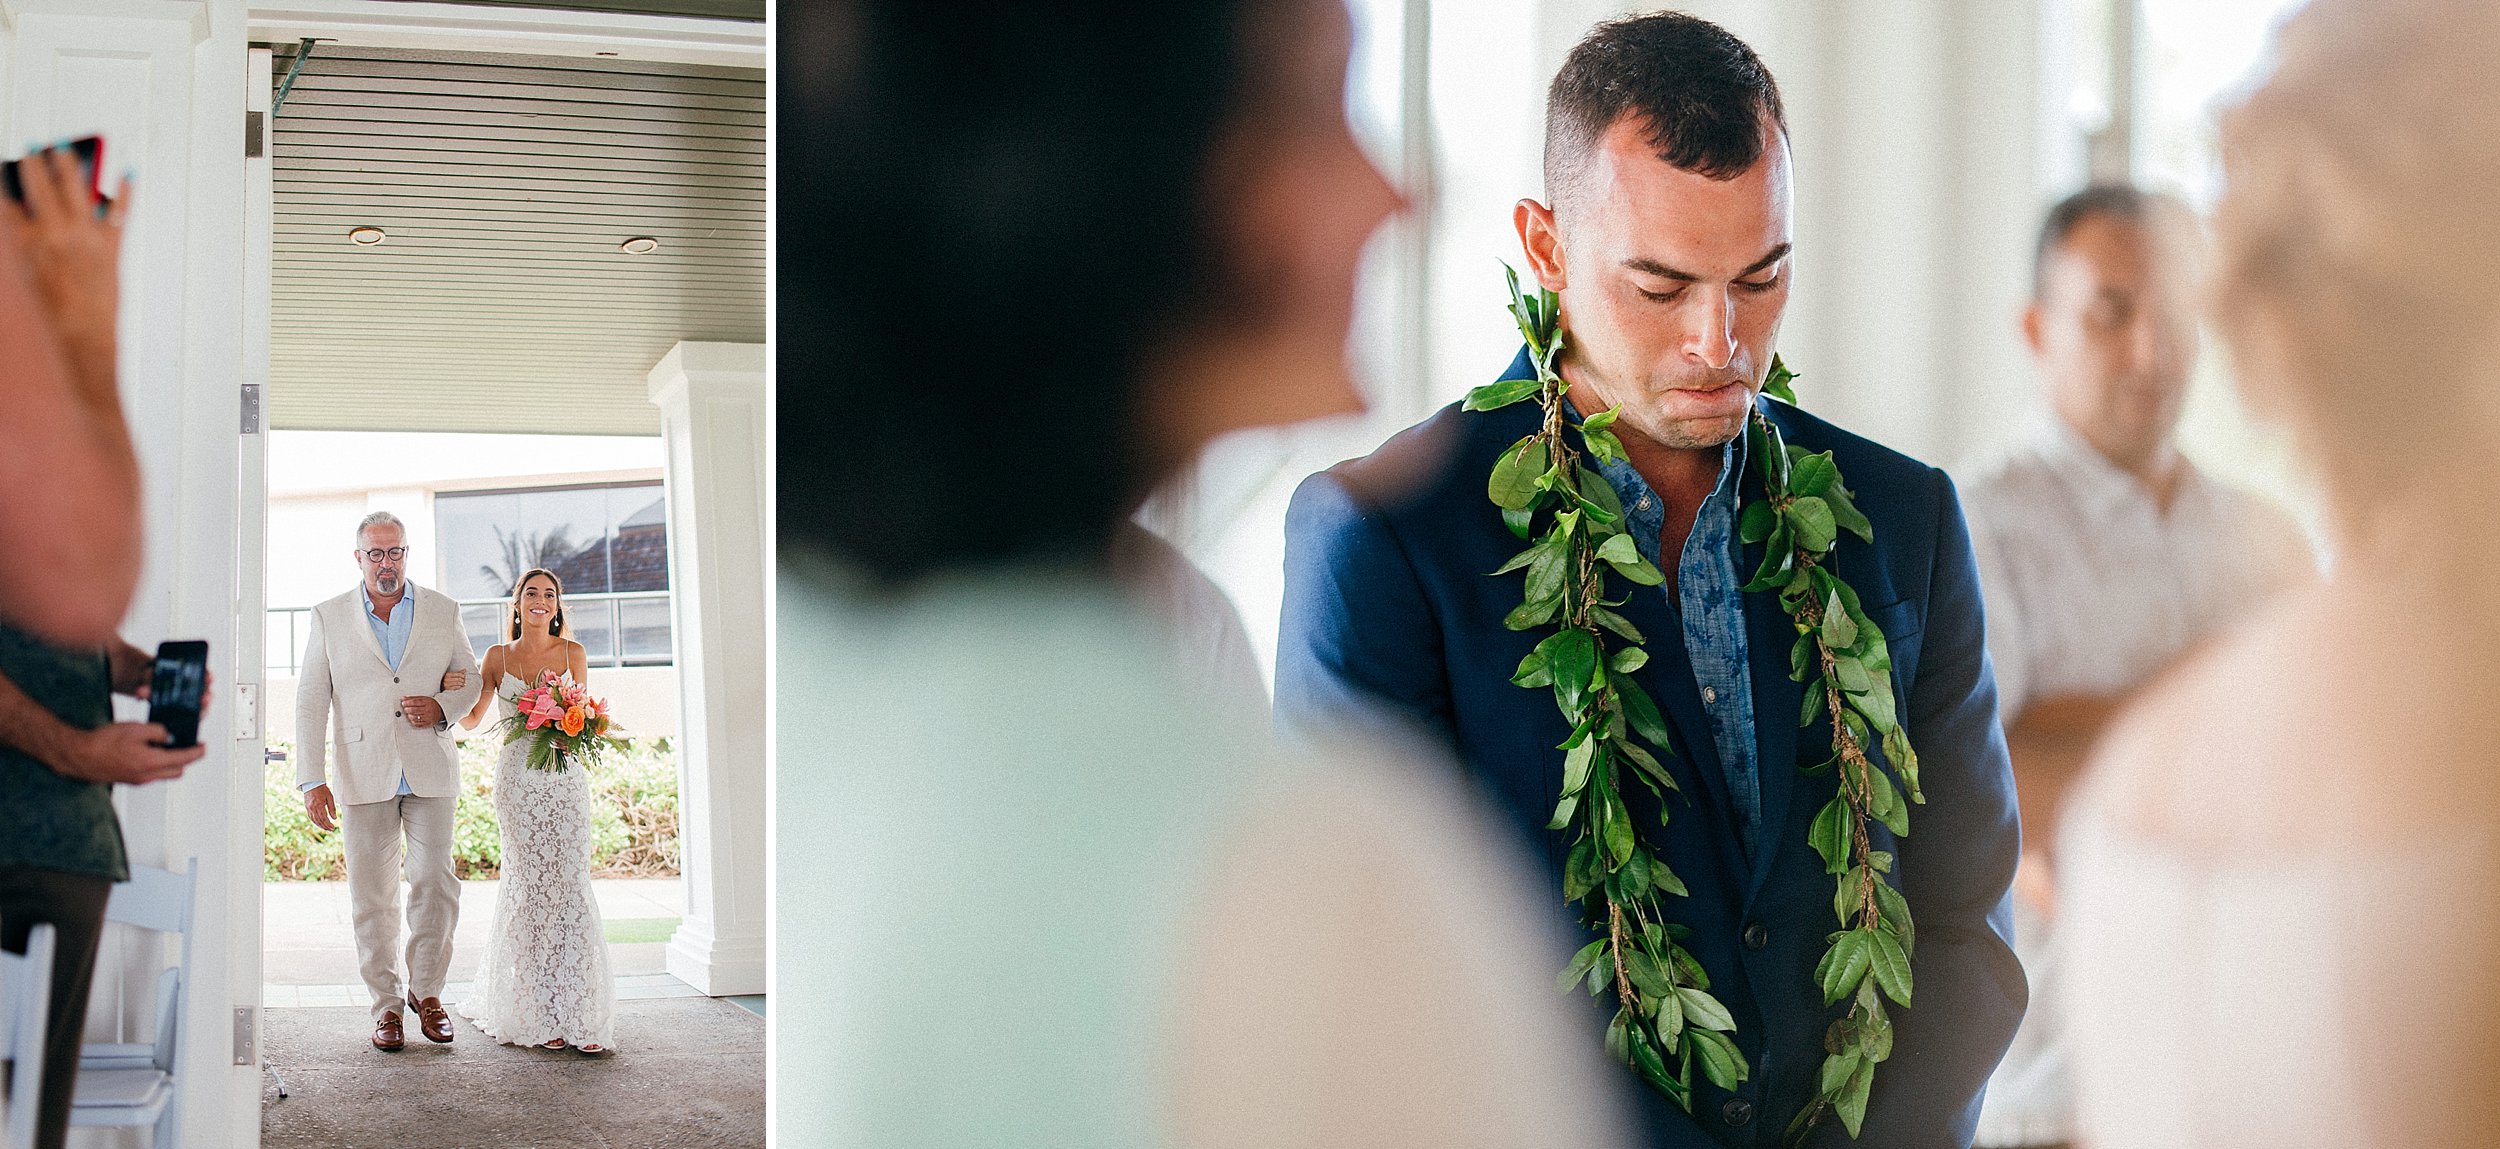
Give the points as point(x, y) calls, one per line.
point(393, 636)
point(1713, 616)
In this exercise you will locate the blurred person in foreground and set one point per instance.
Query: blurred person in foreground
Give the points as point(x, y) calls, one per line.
point(1667, 240)
point(1034, 888)
point(2104, 554)
point(2275, 886)
point(69, 484)
point(68, 559)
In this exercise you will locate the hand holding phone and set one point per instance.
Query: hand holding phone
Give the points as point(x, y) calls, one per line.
point(177, 689)
point(88, 153)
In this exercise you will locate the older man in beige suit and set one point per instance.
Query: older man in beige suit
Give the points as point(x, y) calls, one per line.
point(374, 666)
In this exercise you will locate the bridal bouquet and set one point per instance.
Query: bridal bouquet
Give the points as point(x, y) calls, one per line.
point(562, 721)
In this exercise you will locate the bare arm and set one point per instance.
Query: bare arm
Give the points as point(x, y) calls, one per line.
point(579, 658)
point(2051, 742)
point(69, 482)
point(493, 672)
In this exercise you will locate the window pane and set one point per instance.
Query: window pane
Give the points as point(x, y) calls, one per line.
point(645, 629)
point(487, 540)
point(593, 624)
point(486, 624)
point(278, 647)
point(638, 538)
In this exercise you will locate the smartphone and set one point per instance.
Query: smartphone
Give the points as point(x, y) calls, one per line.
point(175, 687)
point(90, 154)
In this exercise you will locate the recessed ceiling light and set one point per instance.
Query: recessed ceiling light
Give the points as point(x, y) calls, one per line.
point(639, 245)
point(366, 236)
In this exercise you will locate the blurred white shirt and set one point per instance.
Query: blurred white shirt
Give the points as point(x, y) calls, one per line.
point(2091, 588)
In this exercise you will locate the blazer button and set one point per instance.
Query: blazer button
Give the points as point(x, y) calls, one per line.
point(396, 714)
point(394, 679)
point(1737, 1111)
point(1756, 937)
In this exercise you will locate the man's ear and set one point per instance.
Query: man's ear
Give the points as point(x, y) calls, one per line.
point(2032, 325)
point(1540, 238)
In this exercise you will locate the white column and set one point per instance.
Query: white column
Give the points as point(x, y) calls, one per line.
point(711, 400)
point(164, 82)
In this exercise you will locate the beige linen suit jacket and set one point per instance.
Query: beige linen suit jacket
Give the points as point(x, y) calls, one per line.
point(346, 681)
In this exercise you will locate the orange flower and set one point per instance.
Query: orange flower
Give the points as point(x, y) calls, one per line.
point(572, 723)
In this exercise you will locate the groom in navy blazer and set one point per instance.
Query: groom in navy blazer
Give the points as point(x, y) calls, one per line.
point(1668, 244)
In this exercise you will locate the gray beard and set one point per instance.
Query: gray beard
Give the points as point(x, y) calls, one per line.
point(388, 586)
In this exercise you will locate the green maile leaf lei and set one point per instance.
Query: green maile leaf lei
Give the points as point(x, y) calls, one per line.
point(1666, 1021)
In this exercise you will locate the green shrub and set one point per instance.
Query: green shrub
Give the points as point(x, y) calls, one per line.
point(633, 826)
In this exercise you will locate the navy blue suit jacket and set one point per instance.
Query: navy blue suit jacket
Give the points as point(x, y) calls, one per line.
point(1389, 617)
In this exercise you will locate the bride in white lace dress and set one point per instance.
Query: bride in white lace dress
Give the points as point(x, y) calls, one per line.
point(545, 979)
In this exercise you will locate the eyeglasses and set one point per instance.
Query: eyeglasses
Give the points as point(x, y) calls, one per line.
point(394, 554)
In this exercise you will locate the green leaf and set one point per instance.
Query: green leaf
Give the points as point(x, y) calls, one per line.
point(1532, 670)
point(1835, 1074)
point(1604, 446)
point(1532, 614)
point(1640, 758)
point(1562, 813)
point(1846, 893)
point(1830, 836)
point(1576, 763)
point(1777, 555)
point(1813, 475)
point(1621, 554)
point(1573, 655)
point(1895, 910)
point(1617, 1031)
point(1801, 657)
point(1597, 492)
point(1754, 523)
point(1704, 1010)
point(1778, 384)
point(1518, 561)
point(1669, 1021)
point(1897, 751)
point(1580, 962)
point(1629, 659)
point(1720, 1061)
point(1616, 623)
point(1812, 707)
point(1852, 674)
point(1664, 881)
point(1603, 419)
point(1521, 521)
point(1852, 1102)
point(1840, 632)
point(1547, 570)
point(1881, 860)
point(1889, 808)
point(1644, 973)
point(1513, 485)
point(1492, 396)
point(1845, 512)
point(1618, 835)
point(1890, 963)
point(1643, 713)
point(1580, 870)
point(1811, 518)
point(1849, 958)
point(1875, 1037)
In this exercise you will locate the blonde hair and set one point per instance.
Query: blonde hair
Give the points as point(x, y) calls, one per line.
point(2357, 237)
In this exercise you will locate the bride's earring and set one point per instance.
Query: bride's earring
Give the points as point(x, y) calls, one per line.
point(555, 627)
point(516, 624)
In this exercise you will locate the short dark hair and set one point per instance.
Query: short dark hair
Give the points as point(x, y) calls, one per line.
point(2119, 201)
point(991, 214)
point(1704, 95)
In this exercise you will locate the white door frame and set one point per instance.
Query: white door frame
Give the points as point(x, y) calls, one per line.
point(374, 23)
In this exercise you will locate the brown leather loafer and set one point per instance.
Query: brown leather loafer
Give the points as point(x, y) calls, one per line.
point(432, 1021)
point(387, 1036)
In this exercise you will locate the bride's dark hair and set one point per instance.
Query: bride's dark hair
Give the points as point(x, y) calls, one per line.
point(555, 626)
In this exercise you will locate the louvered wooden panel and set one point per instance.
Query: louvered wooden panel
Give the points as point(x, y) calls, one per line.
point(501, 300)
point(716, 9)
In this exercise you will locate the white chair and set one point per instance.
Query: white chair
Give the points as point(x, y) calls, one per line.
point(25, 999)
point(135, 1085)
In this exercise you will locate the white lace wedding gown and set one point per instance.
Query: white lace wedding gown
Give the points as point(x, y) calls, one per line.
point(545, 975)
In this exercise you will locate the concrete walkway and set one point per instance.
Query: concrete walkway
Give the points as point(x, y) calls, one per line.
point(688, 1071)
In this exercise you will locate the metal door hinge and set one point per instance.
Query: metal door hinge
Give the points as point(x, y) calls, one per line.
point(251, 408)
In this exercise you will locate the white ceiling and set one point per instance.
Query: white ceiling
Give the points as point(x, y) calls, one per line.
point(500, 300)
